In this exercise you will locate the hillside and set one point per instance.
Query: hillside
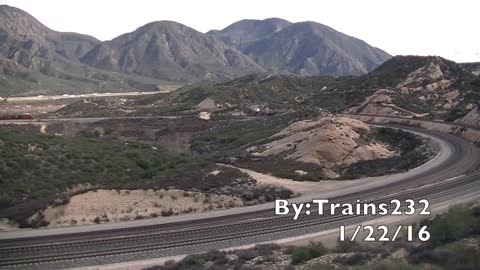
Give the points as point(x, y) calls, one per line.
point(421, 86)
point(431, 85)
point(474, 67)
point(31, 44)
point(306, 48)
point(171, 51)
point(37, 60)
point(406, 86)
point(46, 170)
point(240, 34)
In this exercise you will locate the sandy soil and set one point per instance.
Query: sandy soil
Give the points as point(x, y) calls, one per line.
point(122, 205)
point(298, 187)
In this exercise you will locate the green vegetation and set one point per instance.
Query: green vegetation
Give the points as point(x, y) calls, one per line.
point(338, 101)
point(59, 78)
point(475, 84)
point(414, 150)
point(278, 94)
point(35, 165)
point(306, 253)
point(454, 240)
point(36, 170)
point(393, 265)
point(233, 137)
point(456, 224)
point(218, 260)
point(455, 256)
point(347, 246)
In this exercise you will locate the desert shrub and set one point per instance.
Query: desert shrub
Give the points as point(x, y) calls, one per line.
point(458, 256)
point(289, 267)
point(414, 151)
point(266, 249)
point(215, 258)
point(5, 200)
point(166, 213)
point(193, 261)
point(347, 246)
point(423, 255)
point(463, 258)
point(395, 265)
point(235, 136)
point(476, 211)
point(475, 82)
point(266, 193)
point(456, 224)
point(246, 254)
point(321, 266)
point(455, 114)
point(445, 247)
point(143, 164)
point(306, 253)
point(352, 259)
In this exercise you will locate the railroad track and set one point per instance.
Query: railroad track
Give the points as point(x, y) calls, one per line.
point(451, 187)
point(89, 248)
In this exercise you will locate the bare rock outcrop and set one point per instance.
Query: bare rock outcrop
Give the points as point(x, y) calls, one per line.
point(471, 118)
point(428, 85)
point(327, 142)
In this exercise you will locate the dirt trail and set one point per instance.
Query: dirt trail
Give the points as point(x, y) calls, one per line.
point(304, 188)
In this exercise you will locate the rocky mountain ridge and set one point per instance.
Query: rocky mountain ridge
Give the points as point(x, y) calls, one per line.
point(426, 86)
point(36, 59)
point(171, 51)
point(304, 48)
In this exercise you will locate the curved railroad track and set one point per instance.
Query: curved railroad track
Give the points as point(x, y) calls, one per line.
point(456, 176)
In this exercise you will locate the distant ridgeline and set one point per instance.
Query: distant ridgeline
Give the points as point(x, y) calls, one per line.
point(34, 58)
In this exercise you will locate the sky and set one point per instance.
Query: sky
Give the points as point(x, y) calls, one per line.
point(420, 27)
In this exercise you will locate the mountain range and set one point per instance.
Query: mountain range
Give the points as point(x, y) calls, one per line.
point(36, 59)
point(305, 48)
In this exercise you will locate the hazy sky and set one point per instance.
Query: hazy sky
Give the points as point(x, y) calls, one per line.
point(424, 27)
